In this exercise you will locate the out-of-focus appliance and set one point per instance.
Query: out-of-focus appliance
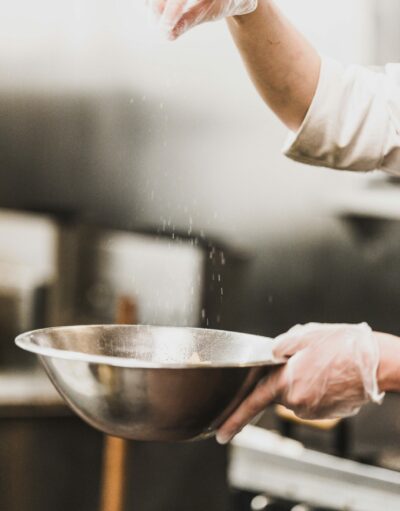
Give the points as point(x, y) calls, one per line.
point(262, 461)
point(175, 280)
point(27, 272)
point(22, 307)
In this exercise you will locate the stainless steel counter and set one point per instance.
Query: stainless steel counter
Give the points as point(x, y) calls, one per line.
point(262, 461)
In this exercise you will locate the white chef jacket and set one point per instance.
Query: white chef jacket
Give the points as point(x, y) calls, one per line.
point(353, 122)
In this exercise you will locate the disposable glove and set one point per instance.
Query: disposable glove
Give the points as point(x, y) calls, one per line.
point(177, 16)
point(331, 371)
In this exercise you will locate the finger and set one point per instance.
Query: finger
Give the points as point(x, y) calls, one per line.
point(287, 345)
point(154, 12)
point(300, 330)
point(265, 392)
point(194, 13)
point(172, 13)
point(156, 7)
point(298, 338)
point(192, 17)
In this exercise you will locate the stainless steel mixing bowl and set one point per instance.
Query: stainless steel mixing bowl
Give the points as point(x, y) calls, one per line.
point(151, 383)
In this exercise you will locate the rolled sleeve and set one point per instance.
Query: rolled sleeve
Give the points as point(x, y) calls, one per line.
point(353, 122)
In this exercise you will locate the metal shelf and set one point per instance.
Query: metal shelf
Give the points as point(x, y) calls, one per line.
point(262, 461)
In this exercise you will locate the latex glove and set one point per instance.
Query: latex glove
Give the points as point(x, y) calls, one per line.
point(177, 16)
point(330, 373)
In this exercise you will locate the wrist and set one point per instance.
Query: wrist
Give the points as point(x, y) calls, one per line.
point(241, 19)
point(388, 374)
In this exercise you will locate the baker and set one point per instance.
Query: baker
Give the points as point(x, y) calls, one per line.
point(342, 117)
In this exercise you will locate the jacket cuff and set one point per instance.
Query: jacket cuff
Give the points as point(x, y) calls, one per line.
point(312, 143)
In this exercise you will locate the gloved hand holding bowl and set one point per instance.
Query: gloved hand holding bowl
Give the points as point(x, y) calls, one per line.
point(331, 372)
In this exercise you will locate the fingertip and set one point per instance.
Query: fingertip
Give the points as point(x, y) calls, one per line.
point(174, 35)
point(166, 32)
point(171, 36)
point(181, 26)
point(223, 438)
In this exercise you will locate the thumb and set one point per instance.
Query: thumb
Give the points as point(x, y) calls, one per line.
point(266, 392)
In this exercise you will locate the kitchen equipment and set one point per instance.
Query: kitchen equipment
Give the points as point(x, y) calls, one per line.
point(23, 293)
point(263, 461)
point(177, 279)
point(26, 277)
point(151, 383)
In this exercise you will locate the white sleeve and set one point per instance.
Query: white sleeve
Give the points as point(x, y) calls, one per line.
point(353, 122)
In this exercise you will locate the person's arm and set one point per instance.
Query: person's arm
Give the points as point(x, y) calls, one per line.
point(341, 117)
point(283, 65)
point(389, 366)
point(331, 371)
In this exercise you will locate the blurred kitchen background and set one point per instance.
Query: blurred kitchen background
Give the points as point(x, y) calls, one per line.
point(148, 175)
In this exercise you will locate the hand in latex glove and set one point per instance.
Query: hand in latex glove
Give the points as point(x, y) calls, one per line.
point(177, 16)
point(330, 373)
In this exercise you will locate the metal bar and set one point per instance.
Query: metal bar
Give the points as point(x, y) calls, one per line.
point(263, 461)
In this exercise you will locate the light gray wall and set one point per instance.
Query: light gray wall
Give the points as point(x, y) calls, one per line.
point(388, 34)
point(98, 115)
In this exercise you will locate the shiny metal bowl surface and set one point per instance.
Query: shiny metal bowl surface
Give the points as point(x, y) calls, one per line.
point(151, 383)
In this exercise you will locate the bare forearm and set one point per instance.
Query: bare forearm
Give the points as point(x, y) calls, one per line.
point(281, 62)
point(389, 367)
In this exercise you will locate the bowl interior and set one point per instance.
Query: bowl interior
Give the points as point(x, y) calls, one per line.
point(136, 345)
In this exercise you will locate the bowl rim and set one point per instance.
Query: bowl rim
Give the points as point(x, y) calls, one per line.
point(24, 342)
